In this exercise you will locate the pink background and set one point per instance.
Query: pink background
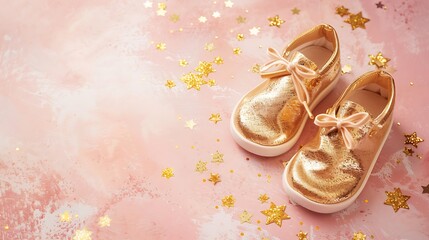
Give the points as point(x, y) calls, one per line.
point(87, 125)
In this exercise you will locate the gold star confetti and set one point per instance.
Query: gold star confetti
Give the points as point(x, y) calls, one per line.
point(240, 37)
point(302, 235)
point(216, 14)
point(83, 234)
point(201, 166)
point(254, 31)
point(202, 19)
point(342, 11)
point(104, 221)
point(408, 151)
point(236, 51)
point(205, 68)
point(167, 173)
point(346, 69)
point(356, 20)
point(275, 21)
point(295, 11)
point(256, 68)
point(193, 80)
point(170, 84)
point(190, 124)
point(211, 82)
point(174, 18)
point(425, 189)
point(214, 178)
point(412, 139)
point(359, 236)
point(215, 117)
point(275, 214)
point(397, 200)
point(228, 4)
point(378, 60)
point(263, 198)
point(162, 6)
point(65, 217)
point(228, 201)
point(240, 19)
point(209, 47)
point(245, 217)
point(217, 157)
point(148, 4)
point(218, 60)
point(161, 46)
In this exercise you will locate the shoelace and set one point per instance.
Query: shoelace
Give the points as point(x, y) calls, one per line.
point(342, 124)
point(298, 74)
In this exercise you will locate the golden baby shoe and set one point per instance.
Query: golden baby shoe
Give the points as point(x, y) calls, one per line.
point(329, 172)
point(269, 119)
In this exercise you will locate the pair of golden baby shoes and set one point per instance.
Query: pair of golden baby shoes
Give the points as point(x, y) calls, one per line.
point(328, 173)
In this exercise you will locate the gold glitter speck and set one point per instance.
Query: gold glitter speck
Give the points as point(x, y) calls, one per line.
point(275, 21)
point(214, 178)
point(275, 214)
point(301, 235)
point(201, 166)
point(413, 139)
point(65, 217)
point(245, 216)
point(218, 60)
point(217, 157)
point(263, 198)
point(170, 84)
point(161, 46)
point(167, 173)
point(359, 236)
point(215, 117)
point(342, 11)
point(104, 221)
point(240, 37)
point(83, 234)
point(357, 21)
point(228, 201)
point(378, 60)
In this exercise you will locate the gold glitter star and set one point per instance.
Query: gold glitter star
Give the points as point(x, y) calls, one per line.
point(356, 20)
point(214, 178)
point(65, 217)
point(167, 173)
point(104, 221)
point(217, 157)
point(236, 51)
point(183, 62)
point(397, 200)
point(263, 198)
point(202, 19)
point(162, 6)
point(342, 11)
point(275, 214)
point(215, 117)
point(240, 19)
point(174, 18)
point(205, 68)
point(170, 84)
point(211, 82)
point(254, 31)
point(412, 139)
point(83, 234)
point(301, 235)
point(228, 4)
point(425, 189)
point(245, 217)
point(359, 236)
point(295, 11)
point(218, 60)
point(190, 124)
point(408, 151)
point(346, 69)
point(240, 37)
point(209, 47)
point(275, 21)
point(256, 68)
point(378, 60)
point(193, 80)
point(161, 46)
point(228, 201)
point(201, 166)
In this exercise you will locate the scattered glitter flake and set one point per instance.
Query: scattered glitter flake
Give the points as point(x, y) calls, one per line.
point(190, 124)
point(242, 234)
point(211, 82)
point(419, 156)
point(65, 217)
point(218, 60)
point(183, 62)
point(104, 221)
point(193, 80)
point(356, 21)
point(275, 214)
point(209, 47)
point(167, 173)
point(236, 51)
point(365, 201)
point(231, 171)
point(245, 217)
point(161, 46)
point(411, 84)
point(398, 123)
point(256, 68)
point(228, 4)
point(201, 166)
point(317, 228)
point(217, 157)
point(174, 18)
point(240, 37)
point(397, 200)
point(17, 149)
point(378, 60)
point(83, 234)
point(205, 68)
point(302, 235)
point(295, 11)
point(216, 14)
point(263, 198)
point(412, 139)
point(170, 84)
point(254, 31)
point(228, 201)
point(162, 6)
point(148, 4)
point(301, 223)
point(215, 117)
point(275, 21)
point(6, 227)
point(408, 151)
point(425, 189)
point(342, 11)
point(214, 178)
point(380, 5)
point(202, 19)
point(346, 69)
point(359, 236)
point(240, 19)
point(259, 175)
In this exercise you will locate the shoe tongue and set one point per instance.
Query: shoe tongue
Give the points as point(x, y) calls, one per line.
point(301, 59)
point(348, 108)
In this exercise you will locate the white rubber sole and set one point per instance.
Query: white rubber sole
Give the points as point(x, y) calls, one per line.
point(272, 151)
point(299, 199)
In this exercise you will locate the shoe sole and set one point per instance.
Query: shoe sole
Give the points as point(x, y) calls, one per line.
point(272, 151)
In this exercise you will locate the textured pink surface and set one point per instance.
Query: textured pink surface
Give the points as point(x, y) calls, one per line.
point(87, 125)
